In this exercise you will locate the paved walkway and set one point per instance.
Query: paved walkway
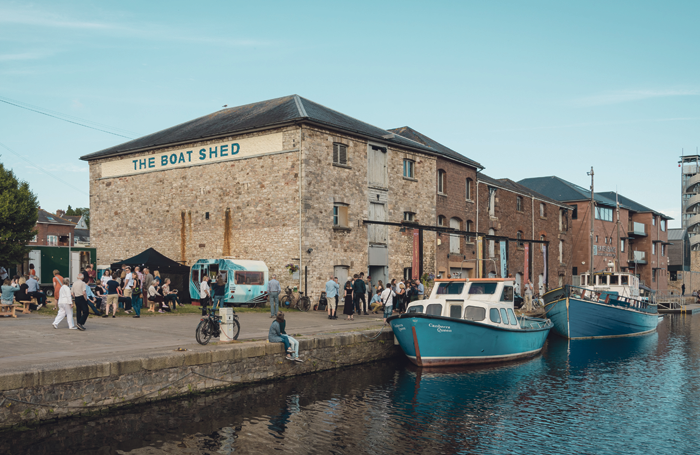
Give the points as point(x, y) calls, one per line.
point(34, 343)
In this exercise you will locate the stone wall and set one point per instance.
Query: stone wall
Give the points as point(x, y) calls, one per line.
point(78, 390)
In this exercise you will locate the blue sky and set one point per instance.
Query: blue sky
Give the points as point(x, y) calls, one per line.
point(527, 88)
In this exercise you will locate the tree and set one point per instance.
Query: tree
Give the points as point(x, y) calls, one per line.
point(19, 211)
point(84, 211)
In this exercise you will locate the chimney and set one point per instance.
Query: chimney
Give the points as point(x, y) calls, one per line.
point(60, 213)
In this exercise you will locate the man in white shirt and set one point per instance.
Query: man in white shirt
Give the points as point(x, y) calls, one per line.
point(387, 297)
point(129, 282)
point(528, 295)
point(204, 294)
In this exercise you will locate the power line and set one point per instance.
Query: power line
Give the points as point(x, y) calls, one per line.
point(40, 169)
point(63, 119)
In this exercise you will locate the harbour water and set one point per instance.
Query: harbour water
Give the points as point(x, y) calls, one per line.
point(631, 395)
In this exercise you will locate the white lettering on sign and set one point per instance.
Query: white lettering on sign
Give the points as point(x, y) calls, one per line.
point(193, 156)
point(441, 328)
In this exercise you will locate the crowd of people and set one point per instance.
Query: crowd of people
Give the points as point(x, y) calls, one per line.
point(360, 295)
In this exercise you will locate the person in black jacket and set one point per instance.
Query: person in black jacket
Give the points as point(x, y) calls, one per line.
point(359, 291)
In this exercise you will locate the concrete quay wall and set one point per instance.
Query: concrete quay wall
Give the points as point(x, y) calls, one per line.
point(38, 395)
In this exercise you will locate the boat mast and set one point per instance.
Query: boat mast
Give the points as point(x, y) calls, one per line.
point(590, 279)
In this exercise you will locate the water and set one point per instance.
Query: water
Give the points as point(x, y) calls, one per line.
point(634, 395)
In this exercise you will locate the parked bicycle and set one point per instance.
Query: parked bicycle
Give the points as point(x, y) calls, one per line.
point(295, 300)
point(210, 326)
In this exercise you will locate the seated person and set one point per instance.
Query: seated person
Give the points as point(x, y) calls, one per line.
point(9, 287)
point(126, 301)
point(23, 295)
point(376, 303)
point(154, 298)
point(35, 290)
point(170, 295)
point(275, 335)
point(293, 344)
point(101, 296)
point(93, 301)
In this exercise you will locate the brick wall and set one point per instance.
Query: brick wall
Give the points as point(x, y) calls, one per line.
point(58, 230)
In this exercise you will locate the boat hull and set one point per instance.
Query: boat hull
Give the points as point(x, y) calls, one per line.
point(581, 319)
point(440, 341)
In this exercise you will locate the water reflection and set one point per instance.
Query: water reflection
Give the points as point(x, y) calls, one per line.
point(629, 395)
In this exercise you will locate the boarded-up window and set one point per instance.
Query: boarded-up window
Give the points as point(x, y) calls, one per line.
point(377, 232)
point(340, 154)
point(376, 167)
point(454, 239)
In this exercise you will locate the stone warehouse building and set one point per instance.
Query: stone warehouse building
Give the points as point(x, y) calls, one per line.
point(286, 181)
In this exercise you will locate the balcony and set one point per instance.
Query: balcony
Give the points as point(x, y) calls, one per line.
point(637, 229)
point(637, 257)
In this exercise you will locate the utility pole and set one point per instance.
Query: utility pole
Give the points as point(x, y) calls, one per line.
point(591, 279)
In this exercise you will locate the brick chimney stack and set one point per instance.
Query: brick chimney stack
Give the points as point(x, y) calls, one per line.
point(60, 213)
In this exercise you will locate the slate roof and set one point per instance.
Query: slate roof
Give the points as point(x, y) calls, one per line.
point(632, 205)
point(410, 133)
point(516, 187)
point(263, 114)
point(51, 218)
point(563, 191)
point(676, 234)
point(72, 218)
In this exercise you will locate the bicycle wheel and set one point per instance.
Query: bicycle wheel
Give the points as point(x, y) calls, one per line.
point(236, 329)
point(304, 304)
point(203, 334)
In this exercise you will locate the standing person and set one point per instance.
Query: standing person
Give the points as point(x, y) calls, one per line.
point(65, 306)
point(145, 284)
point(219, 292)
point(528, 295)
point(332, 289)
point(112, 295)
point(370, 288)
point(35, 290)
point(57, 283)
point(682, 289)
point(3, 274)
point(137, 271)
point(92, 275)
point(273, 292)
point(420, 290)
point(401, 298)
point(81, 306)
point(136, 298)
point(156, 276)
point(105, 278)
point(388, 295)
point(128, 282)
point(359, 290)
point(348, 305)
point(205, 294)
point(32, 272)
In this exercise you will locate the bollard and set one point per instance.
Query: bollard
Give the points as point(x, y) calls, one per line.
point(226, 325)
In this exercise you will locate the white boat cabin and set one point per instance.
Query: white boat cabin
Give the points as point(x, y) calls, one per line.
point(625, 284)
point(485, 300)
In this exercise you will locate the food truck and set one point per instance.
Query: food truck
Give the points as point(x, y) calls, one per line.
point(246, 280)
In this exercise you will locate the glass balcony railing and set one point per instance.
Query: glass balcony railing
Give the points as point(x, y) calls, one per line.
point(639, 257)
point(637, 228)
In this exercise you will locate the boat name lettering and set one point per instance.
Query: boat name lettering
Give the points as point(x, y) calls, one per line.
point(441, 328)
point(400, 327)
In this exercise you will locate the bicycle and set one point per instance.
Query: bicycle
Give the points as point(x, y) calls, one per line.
point(210, 326)
point(295, 300)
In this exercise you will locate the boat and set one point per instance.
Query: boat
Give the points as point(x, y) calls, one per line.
point(607, 306)
point(468, 321)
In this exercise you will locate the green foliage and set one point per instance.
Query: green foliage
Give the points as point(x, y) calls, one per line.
point(19, 210)
point(80, 211)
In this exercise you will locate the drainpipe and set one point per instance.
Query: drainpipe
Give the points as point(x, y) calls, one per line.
point(476, 263)
point(301, 148)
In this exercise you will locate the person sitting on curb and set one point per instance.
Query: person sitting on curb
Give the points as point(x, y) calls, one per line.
point(376, 303)
point(275, 335)
point(294, 344)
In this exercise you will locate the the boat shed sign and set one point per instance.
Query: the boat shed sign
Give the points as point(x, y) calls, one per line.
point(194, 156)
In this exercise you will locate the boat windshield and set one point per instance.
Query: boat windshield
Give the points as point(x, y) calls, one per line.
point(483, 288)
point(450, 288)
point(415, 309)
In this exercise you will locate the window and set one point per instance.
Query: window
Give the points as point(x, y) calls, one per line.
point(561, 251)
point(52, 240)
point(614, 280)
point(663, 225)
point(520, 236)
point(249, 278)
point(474, 313)
point(504, 316)
point(492, 244)
point(340, 154)
point(574, 271)
point(469, 189)
point(653, 276)
point(470, 226)
point(456, 311)
point(340, 215)
point(35, 238)
point(441, 220)
point(603, 213)
point(441, 182)
point(596, 239)
point(434, 309)
point(543, 210)
point(653, 248)
point(492, 201)
point(415, 309)
point(663, 250)
point(455, 240)
point(494, 315)
point(653, 221)
point(574, 213)
point(450, 288)
point(482, 288)
point(511, 316)
point(507, 295)
point(409, 216)
point(408, 168)
point(519, 203)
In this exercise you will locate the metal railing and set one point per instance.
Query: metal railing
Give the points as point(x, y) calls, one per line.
point(639, 257)
point(637, 228)
point(610, 299)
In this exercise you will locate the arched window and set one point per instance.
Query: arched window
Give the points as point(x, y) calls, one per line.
point(441, 220)
point(469, 189)
point(441, 182)
point(455, 223)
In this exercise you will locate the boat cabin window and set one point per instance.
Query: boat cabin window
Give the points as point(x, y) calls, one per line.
point(456, 311)
point(249, 278)
point(511, 316)
point(434, 309)
point(614, 280)
point(482, 288)
point(504, 316)
point(624, 280)
point(494, 315)
point(475, 313)
point(450, 288)
point(416, 309)
point(507, 295)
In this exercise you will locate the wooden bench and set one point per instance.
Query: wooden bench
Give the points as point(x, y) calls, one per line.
point(24, 305)
point(9, 310)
